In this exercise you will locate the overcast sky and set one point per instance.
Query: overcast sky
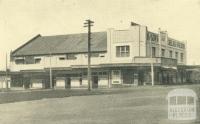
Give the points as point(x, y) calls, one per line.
point(20, 20)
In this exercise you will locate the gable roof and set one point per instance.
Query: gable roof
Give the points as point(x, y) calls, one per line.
point(59, 44)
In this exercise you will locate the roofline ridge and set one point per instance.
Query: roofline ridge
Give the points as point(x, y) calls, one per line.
point(71, 34)
point(29, 41)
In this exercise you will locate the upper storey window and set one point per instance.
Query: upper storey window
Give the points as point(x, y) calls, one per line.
point(19, 61)
point(152, 37)
point(68, 57)
point(163, 36)
point(170, 54)
point(176, 54)
point(182, 57)
point(153, 52)
point(177, 44)
point(123, 51)
point(94, 54)
point(71, 56)
point(37, 60)
point(170, 42)
point(163, 52)
point(27, 60)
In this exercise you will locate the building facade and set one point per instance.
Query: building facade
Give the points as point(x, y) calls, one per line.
point(134, 56)
point(4, 80)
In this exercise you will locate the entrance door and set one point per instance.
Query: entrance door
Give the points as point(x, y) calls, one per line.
point(136, 82)
point(95, 82)
point(68, 83)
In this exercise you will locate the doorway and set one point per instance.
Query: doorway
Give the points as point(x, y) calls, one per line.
point(95, 82)
point(68, 83)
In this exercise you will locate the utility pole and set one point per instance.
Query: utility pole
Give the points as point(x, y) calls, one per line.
point(6, 73)
point(152, 74)
point(152, 67)
point(88, 24)
point(50, 72)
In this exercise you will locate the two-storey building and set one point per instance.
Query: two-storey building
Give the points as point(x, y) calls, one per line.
point(119, 57)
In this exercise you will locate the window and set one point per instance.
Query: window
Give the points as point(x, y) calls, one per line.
point(104, 73)
point(115, 73)
point(94, 55)
point(174, 43)
point(163, 36)
point(163, 52)
point(123, 51)
point(170, 43)
point(62, 58)
point(70, 56)
point(182, 46)
point(182, 57)
point(152, 37)
point(37, 60)
point(29, 60)
point(170, 54)
point(176, 54)
point(19, 61)
point(153, 52)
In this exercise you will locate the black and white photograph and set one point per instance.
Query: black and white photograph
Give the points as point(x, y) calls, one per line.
point(99, 62)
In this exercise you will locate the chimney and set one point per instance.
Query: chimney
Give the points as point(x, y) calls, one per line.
point(134, 24)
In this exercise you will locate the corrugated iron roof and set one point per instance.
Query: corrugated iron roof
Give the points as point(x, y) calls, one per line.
point(58, 44)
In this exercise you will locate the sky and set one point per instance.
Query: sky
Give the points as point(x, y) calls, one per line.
point(20, 20)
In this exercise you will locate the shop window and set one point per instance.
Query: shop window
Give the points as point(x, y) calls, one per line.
point(116, 73)
point(94, 73)
point(104, 73)
point(100, 73)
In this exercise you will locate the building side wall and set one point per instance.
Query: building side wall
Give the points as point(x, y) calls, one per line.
point(134, 37)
